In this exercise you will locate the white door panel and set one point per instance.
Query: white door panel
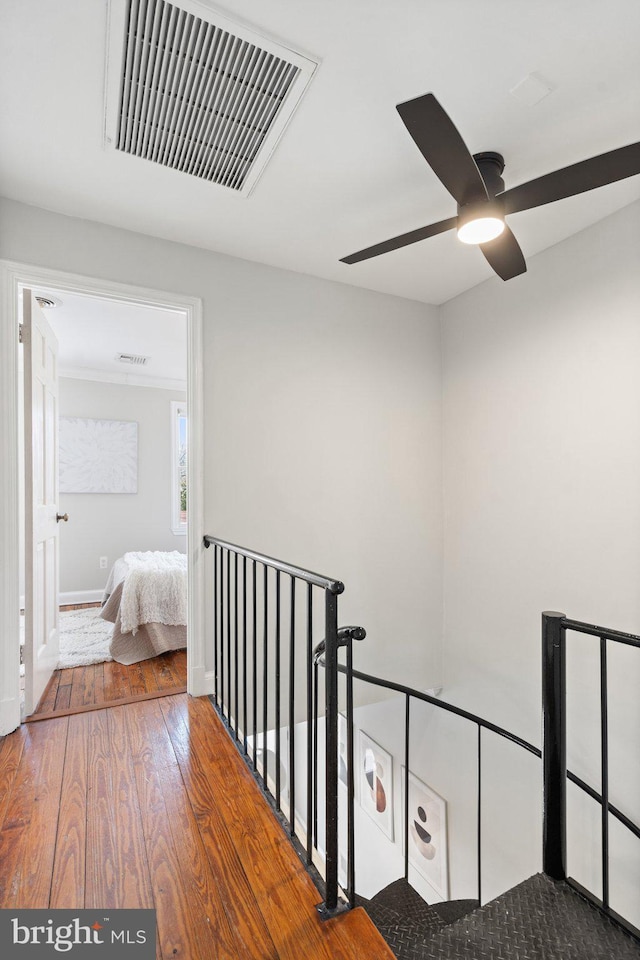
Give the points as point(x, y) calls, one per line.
point(41, 500)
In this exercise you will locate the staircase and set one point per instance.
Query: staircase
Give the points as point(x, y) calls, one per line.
point(255, 659)
point(537, 920)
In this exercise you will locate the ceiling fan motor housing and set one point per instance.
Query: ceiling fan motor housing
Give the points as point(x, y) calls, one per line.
point(490, 166)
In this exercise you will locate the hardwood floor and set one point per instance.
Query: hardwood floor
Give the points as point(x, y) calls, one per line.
point(102, 683)
point(149, 805)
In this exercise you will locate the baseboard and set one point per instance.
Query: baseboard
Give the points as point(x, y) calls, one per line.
point(200, 682)
point(9, 715)
point(80, 596)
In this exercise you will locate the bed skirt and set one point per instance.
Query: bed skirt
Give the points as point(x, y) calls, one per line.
point(150, 639)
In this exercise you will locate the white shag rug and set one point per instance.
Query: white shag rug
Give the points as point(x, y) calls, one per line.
point(84, 638)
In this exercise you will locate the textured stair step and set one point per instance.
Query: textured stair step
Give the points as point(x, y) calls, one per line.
point(537, 920)
point(405, 901)
point(381, 915)
point(408, 940)
point(404, 919)
point(451, 910)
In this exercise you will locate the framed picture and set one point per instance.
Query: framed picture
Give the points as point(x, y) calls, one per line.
point(375, 779)
point(98, 456)
point(428, 851)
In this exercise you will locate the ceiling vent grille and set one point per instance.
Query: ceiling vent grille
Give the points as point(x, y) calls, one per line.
point(189, 89)
point(136, 359)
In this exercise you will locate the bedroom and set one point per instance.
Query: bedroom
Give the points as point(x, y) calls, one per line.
point(121, 436)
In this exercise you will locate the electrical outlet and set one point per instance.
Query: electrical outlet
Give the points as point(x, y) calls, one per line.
point(103, 563)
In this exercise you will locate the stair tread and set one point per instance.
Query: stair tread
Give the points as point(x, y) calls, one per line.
point(403, 918)
point(451, 910)
point(405, 901)
point(537, 920)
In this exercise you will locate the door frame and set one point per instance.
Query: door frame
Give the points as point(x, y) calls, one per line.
point(13, 276)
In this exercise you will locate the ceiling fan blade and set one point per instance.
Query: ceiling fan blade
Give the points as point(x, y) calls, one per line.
point(443, 148)
point(504, 255)
point(422, 233)
point(578, 178)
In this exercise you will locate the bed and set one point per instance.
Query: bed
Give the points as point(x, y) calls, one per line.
point(146, 600)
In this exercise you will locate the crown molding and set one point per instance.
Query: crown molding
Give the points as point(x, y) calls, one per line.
point(124, 379)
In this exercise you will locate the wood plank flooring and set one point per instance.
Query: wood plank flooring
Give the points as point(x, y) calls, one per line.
point(102, 683)
point(149, 805)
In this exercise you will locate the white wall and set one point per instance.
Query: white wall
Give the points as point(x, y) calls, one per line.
point(541, 401)
point(322, 421)
point(541, 461)
point(103, 524)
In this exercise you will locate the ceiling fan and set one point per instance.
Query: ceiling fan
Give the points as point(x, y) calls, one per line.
point(476, 184)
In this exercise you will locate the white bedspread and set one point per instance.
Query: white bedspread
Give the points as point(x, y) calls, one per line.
point(155, 589)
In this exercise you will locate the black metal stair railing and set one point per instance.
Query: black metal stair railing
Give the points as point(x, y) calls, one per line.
point(553, 754)
point(555, 774)
point(255, 658)
point(255, 669)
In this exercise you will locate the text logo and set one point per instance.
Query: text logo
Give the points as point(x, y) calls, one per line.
point(107, 933)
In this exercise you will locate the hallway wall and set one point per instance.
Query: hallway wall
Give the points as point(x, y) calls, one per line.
point(541, 410)
point(322, 420)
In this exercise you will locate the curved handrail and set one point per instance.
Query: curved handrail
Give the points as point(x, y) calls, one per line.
point(594, 630)
point(449, 707)
point(494, 728)
point(327, 583)
point(344, 635)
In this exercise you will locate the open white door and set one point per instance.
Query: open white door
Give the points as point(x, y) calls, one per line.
point(41, 500)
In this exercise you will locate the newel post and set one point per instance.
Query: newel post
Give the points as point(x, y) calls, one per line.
point(330, 905)
point(554, 748)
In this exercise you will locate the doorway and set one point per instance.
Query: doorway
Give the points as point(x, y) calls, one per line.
point(112, 300)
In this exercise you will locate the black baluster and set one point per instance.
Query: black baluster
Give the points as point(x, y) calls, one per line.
point(331, 752)
point(229, 637)
point(315, 755)
point(554, 752)
point(604, 767)
point(245, 723)
point(215, 622)
point(351, 838)
point(236, 709)
point(222, 658)
point(277, 711)
point(265, 717)
point(292, 717)
point(406, 787)
point(254, 643)
point(309, 720)
point(479, 815)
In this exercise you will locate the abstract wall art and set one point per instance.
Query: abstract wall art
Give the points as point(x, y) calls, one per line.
point(375, 777)
point(97, 456)
point(428, 834)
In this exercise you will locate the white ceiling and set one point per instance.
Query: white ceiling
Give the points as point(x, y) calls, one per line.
point(346, 174)
point(91, 332)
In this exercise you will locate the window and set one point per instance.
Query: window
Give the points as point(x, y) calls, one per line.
point(178, 468)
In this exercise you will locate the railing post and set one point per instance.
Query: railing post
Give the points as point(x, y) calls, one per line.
point(331, 765)
point(554, 751)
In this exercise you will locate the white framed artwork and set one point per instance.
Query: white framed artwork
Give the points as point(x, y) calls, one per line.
point(428, 849)
point(98, 456)
point(375, 780)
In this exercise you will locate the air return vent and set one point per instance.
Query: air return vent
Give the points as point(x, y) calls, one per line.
point(133, 358)
point(191, 90)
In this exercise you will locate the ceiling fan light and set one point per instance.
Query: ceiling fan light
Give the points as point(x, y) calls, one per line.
point(480, 230)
